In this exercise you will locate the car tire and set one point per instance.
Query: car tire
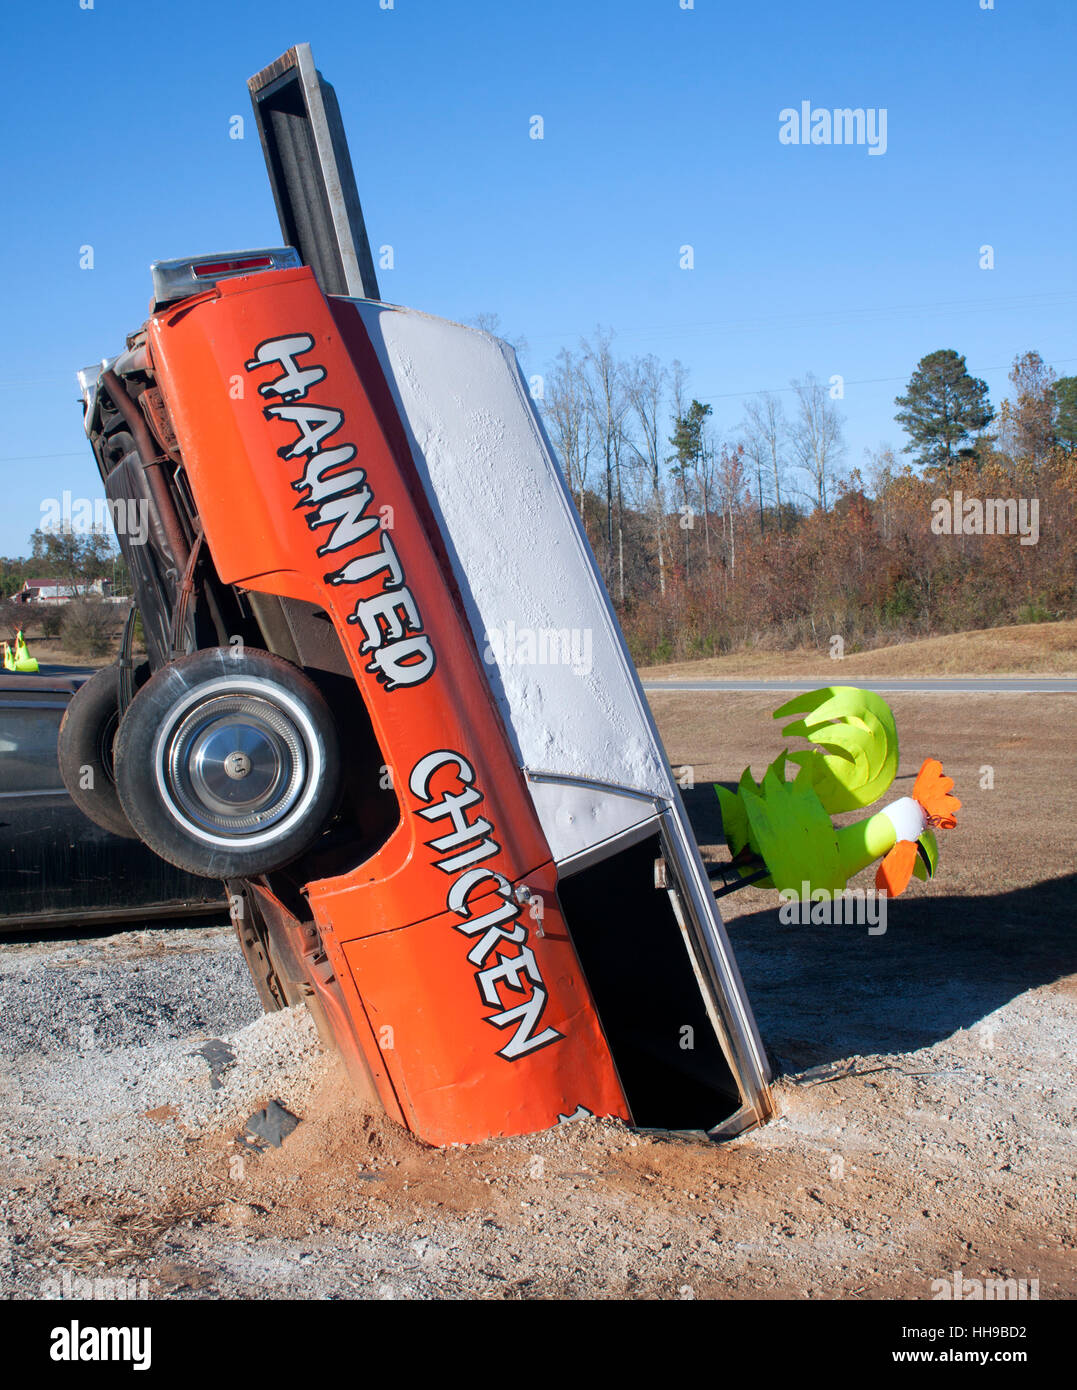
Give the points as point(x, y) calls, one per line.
point(84, 751)
point(228, 763)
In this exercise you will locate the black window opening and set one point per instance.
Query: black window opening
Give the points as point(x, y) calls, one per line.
point(636, 962)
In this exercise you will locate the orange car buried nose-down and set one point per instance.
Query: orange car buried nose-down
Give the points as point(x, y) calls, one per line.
point(386, 697)
point(472, 1014)
point(461, 846)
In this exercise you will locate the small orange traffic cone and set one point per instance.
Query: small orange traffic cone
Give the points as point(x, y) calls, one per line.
point(23, 660)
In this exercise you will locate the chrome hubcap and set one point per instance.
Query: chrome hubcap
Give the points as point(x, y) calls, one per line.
point(234, 764)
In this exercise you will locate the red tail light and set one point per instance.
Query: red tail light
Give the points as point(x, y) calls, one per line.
point(209, 269)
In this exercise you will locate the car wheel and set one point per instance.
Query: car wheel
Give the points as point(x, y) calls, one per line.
point(228, 763)
point(84, 751)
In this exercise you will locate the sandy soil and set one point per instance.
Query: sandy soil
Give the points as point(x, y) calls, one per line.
point(937, 1136)
point(1048, 649)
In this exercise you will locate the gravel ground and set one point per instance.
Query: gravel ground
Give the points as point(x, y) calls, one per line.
point(119, 1160)
point(937, 1136)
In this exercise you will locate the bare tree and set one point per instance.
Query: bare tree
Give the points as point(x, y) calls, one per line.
point(608, 405)
point(816, 436)
point(1029, 423)
point(766, 436)
point(491, 323)
point(733, 489)
point(705, 467)
point(882, 470)
point(567, 412)
point(646, 382)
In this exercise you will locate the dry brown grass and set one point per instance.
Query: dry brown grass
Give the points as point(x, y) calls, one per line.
point(1048, 649)
point(51, 651)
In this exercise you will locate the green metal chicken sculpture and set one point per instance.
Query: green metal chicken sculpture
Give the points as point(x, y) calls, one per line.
point(787, 824)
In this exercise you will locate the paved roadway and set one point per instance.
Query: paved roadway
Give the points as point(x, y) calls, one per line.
point(958, 685)
point(66, 671)
point(941, 685)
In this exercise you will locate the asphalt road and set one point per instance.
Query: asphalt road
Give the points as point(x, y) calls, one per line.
point(997, 685)
point(961, 685)
point(66, 671)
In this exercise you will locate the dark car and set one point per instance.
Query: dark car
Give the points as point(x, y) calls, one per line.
point(55, 865)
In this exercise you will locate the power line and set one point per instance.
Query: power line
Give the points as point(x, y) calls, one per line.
point(833, 315)
point(32, 458)
point(863, 381)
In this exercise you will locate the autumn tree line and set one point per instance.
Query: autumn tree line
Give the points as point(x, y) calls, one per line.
point(719, 532)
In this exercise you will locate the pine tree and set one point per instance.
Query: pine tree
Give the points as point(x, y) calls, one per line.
point(687, 437)
point(1066, 419)
point(688, 444)
point(943, 405)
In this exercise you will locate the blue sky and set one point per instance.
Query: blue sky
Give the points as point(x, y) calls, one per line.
point(660, 129)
